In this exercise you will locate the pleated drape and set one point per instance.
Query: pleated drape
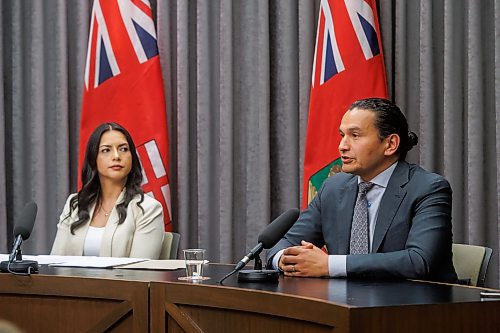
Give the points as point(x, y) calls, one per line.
point(442, 61)
point(5, 229)
point(43, 48)
point(238, 99)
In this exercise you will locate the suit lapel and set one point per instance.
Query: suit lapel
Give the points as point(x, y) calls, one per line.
point(392, 198)
point(347, 199)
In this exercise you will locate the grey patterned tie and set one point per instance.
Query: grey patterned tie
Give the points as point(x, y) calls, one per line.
point(359, 231)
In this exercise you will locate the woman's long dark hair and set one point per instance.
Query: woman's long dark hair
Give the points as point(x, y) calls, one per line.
point(91, 186)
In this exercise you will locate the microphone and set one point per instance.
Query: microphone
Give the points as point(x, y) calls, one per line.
point(271, 235)
point(266, 240)
point(24, 226)
point(22, 231)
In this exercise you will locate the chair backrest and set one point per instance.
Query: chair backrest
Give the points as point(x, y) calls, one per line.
point(170, 246)
point(471, 263)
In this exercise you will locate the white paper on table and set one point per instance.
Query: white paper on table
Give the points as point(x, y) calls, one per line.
point(89, 261)
point(77, 261)
point(45, 259)
point(167, 265)
point(5, 257)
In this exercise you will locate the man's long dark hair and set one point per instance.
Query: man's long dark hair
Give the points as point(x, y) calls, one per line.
point(389, 120)
point(90, 192)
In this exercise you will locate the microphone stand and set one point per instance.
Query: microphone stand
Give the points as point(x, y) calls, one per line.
point(257, 265)
point(19, 266)
point(267, 239)
point(257, 274)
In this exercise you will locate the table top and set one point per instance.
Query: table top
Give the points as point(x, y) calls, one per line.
point(347, 292)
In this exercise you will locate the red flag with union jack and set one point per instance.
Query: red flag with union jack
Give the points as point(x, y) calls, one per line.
point(123, 84)
point(348, 65)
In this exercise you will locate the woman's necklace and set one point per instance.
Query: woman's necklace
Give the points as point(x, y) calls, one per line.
point(105, 212)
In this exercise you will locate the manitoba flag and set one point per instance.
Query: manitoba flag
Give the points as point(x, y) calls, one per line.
point(348, 65)
point(123, 84)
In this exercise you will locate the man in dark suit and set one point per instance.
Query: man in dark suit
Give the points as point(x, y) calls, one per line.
point(381, 217)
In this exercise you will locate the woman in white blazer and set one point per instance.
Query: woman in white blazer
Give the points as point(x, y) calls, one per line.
point(110, 216)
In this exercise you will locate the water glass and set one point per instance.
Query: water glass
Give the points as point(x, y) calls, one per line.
point(194, 263)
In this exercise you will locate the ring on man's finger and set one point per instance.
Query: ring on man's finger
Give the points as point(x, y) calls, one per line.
point(293, 268)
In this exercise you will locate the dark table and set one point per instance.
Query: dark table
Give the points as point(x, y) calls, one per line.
point(98, 300)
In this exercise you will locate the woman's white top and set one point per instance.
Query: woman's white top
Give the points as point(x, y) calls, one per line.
point(92, 243)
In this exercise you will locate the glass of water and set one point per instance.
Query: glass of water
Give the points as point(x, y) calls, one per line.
point(194, 263)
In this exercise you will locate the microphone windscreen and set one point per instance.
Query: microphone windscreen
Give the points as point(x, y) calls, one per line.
point(278, 228)
point(24, 225)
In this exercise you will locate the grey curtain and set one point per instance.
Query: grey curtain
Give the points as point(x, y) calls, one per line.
point(442, 59)
point(237, 77)
point(237, 82)
point(43, 53)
